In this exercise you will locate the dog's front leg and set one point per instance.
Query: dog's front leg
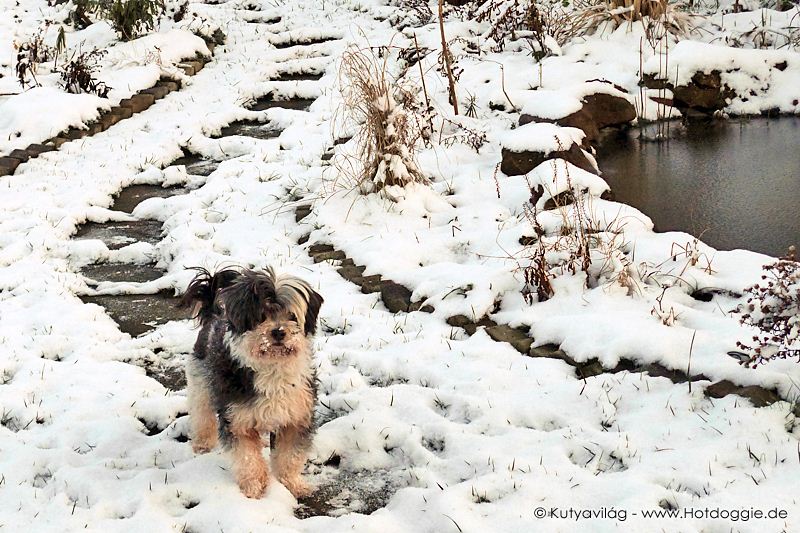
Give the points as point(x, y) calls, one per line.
point(249, 465)
point(289, 457)
point(203, 419)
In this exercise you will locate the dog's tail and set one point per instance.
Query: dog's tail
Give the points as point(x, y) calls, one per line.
point(201, 295)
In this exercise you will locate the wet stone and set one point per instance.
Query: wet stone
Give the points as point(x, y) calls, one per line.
point(759, 396)
point(302, 212)
point(139, 313)
point(117, 235)
point(318, 248)
point(347, 492)
point(335, 255)
point(250, 128)
point(289, 44)
point(516, 338)
point(299, 76)
point(171, 377)
point(351, 273)
point(122, 272)
point(551, 351)
point(370, 284)
point(396, 297)
point(197, 165)
point(132, 196)
point(298, 104)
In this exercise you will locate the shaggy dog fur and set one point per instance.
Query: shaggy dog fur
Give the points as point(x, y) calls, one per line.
point(251, 372)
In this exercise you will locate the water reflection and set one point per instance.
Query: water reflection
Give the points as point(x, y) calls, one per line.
point(734, 183)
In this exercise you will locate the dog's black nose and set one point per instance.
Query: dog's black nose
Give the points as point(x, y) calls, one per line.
point(278, 334)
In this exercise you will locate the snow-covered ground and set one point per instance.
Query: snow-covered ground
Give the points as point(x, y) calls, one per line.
point(452, 432)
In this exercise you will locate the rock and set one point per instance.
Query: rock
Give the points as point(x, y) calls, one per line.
point(169, 85)
point(589, 369)
point(396, 297)
point(516, 163)
point(20, 155)
point(705, 92)
point(302, 212)
point(427, 308)
point(138, 102)
point(550, 351)
point(758, 396)
point(318, 248)
point(462, 321)
point(336, 255)
point(516, 338)
point(370, 284)
point(158, 91)
point(352, 274)
point(121, 112)
point(8, 165)
point(608, 109)
point(600, 110)
point(36, 150)
point(459, 321)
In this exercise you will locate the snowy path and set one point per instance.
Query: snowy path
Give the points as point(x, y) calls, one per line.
point(432, 429)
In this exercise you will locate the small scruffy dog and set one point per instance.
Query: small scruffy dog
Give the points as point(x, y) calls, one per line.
point(251, 372)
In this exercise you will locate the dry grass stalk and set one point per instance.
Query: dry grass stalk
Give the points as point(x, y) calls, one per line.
point(448, 61)
point(388, 117)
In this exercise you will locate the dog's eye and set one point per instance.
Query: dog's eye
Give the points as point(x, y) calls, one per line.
point(292, 317)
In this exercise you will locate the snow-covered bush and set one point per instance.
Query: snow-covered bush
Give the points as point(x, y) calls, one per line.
point(129, 18)
point(389, 119)
point(773, 307)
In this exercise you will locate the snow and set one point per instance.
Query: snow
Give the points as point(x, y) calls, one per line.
point(44, 112)
point(541, 137)
point(443, 430)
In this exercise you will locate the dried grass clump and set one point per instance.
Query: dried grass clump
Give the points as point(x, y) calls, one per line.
point(581, 244)
point(638, 9)
point(389, 116)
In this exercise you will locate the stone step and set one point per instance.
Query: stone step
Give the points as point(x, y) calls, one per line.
point(132, 196)
point(299, 76)
point(196, 165)
point(249, 128)
point(139, 313)
point(122, 272)
point(117, 235)
point(298, 104)
point(308, 42)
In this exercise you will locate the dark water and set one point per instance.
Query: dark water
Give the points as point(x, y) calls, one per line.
point(735, 184)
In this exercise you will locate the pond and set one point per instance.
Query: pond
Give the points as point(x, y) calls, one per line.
point(734, 184)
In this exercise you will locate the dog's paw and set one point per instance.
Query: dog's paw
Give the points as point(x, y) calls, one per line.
point(253, 486)
point(298, 487)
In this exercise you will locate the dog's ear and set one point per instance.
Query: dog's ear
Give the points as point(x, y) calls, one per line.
point(312, 311)
point(201, 294)
point(246, 300)
point(297, 296)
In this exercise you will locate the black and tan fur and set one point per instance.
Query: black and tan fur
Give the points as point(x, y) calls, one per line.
point(251, 373)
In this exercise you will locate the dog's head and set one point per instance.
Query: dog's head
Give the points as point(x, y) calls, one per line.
point(275, 313)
